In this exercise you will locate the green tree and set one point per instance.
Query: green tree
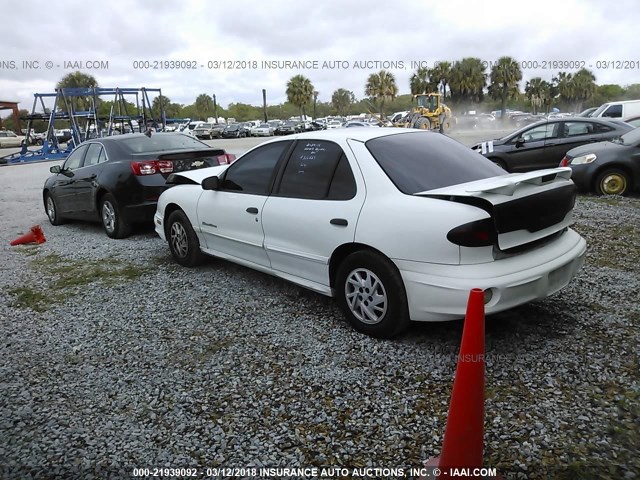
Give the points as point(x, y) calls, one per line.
point(382, 87)
point(468, 80)
point(204, 106)
point(300, 92)
point(78, 80)
point(440, 74)
point(419, 81)
point(341, 100)
point(632, 92)
point(537, 92)
point(584, 87)
point(565, 89)
point(505, 76)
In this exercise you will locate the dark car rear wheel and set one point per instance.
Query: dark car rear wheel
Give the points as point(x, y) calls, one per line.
point(371, 293)
point(613, 181)
point(113, 222)
point(183, 241)
point(52, 210)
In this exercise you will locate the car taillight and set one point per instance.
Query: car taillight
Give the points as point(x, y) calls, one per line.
point(480, 233)
point(149, 167)
point(565, 162)
point(226, 158)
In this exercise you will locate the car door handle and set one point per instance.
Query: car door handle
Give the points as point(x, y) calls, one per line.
point(252, 210)
point(339, 221)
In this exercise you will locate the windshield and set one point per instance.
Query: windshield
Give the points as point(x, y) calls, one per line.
point(599, 110)
point(232, 127)
point(160, 142)
point(420, 161)
point(264, 125)
point(631, 137)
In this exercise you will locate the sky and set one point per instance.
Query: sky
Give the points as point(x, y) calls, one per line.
point(240, 47)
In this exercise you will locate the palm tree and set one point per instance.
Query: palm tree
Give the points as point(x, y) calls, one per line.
point(468, 79)
point(565, 88)
point(441, 73)
point(78, 80)
point(419, 81)
point(505, 76)
point(342, 100)
point(381, 86)
point(584, 87)
point(204, 106)
point(300, 92)
point(537, 92)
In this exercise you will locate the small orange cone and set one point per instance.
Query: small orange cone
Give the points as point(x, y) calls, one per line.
point(35, 235)
point(464, 433)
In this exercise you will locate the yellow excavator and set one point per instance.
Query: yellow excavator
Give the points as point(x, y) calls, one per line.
point(429, 114)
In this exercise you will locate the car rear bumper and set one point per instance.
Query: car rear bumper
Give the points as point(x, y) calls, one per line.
point(440, 292)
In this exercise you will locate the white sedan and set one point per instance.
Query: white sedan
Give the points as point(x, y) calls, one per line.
point(396, 224)
point(262, 130)
point(10, 139)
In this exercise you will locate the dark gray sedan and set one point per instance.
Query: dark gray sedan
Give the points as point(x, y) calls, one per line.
point(607, 168)
point(544, 144)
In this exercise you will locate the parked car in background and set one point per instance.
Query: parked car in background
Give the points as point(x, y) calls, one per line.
point(352, 124)
point(118, 179)
point(235, 131)
point(633, 121)
point(588, 112)
point(10, 139)
point(391, 240)
point(207, 130)
point(262, 130)
point(544, 144)
point(622, 110)
point(607, 168)
point(289, 127)
point(274, 124)
point(191, 127)
point(331, 124)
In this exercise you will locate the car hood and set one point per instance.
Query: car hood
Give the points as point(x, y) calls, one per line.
point(599, 147)
point(200, 174)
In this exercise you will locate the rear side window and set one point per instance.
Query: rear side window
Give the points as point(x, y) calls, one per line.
point(420, 161)
point(599, 128)
point(317, 170)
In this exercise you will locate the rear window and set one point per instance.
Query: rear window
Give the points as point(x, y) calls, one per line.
point(159, 142)
point(420, 161)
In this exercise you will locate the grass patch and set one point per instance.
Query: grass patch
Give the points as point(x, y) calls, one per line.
point(29, 298)
point(66, 274)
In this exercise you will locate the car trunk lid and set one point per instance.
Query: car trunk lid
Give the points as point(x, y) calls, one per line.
point(176, 161)
point(525, 208)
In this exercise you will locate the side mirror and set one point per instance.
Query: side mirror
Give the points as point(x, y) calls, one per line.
point(211, 183)
point(55, 169)
point(520, 142)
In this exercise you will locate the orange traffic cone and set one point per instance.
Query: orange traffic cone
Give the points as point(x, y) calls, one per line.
point(35, 235)
point(464, 434)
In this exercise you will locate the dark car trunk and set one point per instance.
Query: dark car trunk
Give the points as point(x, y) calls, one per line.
point(184, 160)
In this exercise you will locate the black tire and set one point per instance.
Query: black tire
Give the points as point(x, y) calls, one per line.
point(51, 208)
point(183, 241)
point(499, 163)
point(422, 123)
point(370, 267)
point(113, 222)
point(613, 181)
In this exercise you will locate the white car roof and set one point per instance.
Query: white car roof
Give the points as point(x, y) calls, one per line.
point(361, 134)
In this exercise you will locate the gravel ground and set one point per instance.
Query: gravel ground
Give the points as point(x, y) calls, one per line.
point(113, 357)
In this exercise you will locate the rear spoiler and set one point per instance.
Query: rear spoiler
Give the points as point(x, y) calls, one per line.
point(508, 185)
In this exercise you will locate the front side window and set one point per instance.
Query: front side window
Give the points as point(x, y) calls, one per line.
point(74, 160)
point(541, 132)
point(95, 155)
point(614, 111)
point(253, 173)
